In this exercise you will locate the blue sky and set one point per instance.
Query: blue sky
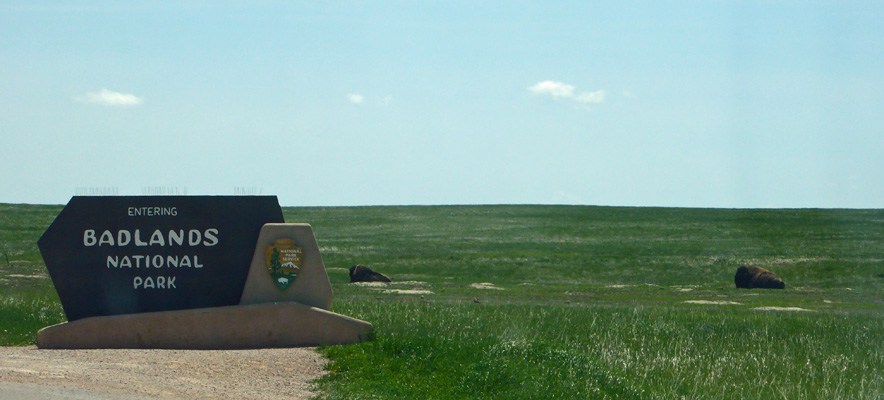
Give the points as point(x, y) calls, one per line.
point(643, 103)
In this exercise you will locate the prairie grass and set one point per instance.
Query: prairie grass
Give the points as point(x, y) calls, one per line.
point(471, 350)
point(589, 302)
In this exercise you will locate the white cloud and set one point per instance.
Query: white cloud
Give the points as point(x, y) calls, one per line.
point(110, 98)
point(566, 92)
point(358, 99)
point(554, 89)
point(591, 97)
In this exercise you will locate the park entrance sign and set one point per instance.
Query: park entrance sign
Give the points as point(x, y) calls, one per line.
point(123, 255)
point(188, 272)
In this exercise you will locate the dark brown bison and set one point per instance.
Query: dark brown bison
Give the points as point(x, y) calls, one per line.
point(755, 277)
point(361, 273)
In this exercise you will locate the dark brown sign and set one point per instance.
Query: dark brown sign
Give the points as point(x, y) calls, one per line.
point(120, 255)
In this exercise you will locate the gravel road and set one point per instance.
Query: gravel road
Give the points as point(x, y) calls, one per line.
point(25, 372)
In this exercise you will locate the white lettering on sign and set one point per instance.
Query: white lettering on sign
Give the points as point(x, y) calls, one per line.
point(149, 239)
point(89, 238)
point(154, 261)
point(172, 237)
point(106, 238)
point(211, 237)
point(123, 237)
point(138, 241)
point(152, 211)
point(159, 282)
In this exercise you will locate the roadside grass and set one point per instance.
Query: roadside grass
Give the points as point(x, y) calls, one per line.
point(25, 311)
point(28, 300)
point(486, 351)
point(570, 302)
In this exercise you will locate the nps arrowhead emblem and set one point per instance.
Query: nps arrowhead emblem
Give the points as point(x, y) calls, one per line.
point(284, 262)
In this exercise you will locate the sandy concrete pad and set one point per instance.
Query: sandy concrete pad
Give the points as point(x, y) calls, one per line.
point(165, 374)
point(251, 326)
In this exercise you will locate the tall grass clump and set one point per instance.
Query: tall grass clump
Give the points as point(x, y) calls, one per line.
point(22, 315)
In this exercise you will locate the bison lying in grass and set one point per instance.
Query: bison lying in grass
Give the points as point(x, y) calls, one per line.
point(754, 277)
point(361, 273)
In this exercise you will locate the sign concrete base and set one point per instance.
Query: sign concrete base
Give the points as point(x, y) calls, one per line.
point(267, 325)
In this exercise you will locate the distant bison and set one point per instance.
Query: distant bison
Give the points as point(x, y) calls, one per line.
point(361, 273)
point(754, 277)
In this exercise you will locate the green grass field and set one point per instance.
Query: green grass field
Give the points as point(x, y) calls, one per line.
point(576, 302)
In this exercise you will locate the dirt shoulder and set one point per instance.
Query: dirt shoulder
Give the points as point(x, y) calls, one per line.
point(169, 374)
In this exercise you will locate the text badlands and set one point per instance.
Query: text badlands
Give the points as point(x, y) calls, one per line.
point(180, 237)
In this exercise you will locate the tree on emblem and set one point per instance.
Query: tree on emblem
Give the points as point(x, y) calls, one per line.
point(274, 259)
